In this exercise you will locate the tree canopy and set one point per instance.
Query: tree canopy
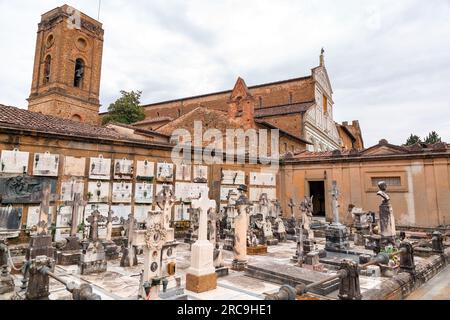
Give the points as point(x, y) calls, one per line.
point(126, 109)
point(413, 139)
point(432, 138)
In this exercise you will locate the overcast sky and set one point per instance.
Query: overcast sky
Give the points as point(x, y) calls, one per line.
point(389, 61)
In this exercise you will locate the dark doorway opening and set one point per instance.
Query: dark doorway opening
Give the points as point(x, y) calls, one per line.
point(317, 190)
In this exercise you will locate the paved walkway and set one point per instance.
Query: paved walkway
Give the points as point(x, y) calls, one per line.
point(438, 288)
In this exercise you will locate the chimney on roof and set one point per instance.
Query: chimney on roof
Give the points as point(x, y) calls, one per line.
point(242, 100)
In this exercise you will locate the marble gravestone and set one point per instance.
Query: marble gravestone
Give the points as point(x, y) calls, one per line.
point(145, 170)
point(183, 172)
point(123, 169)
point(100, 168)
point(93, 258)
point(164, 172)
point(74, 167)
point(143, 193)
point(46, 164)
point(200, 174)
point(14, 162)
point(201, 276)
point(98, 192)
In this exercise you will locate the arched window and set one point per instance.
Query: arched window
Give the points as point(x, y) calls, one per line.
point(47, 69)
point(179, 112)
point(79, 73)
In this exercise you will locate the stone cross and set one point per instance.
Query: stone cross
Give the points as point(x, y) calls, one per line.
point(204, 204)
point(94, 219)
point(76, 203)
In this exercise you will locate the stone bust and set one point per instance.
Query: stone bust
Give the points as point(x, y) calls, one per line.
point(382, 193)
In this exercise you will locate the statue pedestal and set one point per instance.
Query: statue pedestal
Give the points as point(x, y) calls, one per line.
point(71, 252)
point(239, 265)
point(336, 236)
point(257, 250)
point(201, 276)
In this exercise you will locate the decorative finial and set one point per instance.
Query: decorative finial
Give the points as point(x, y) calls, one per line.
point(322, 59)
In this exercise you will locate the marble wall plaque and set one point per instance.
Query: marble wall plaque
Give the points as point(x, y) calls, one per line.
point(70, 188)
point(255, 193)
point(224, 192)
point(14, 161)
point(100, 169)
point(10, 219)
point(24, 189)
point(145, 170)
point(120, 211)
point(263, 179)
point(74, 166)
point(164, 172)
point(141, 212)
point(233, 177)
point(143, 193)
point(98, 191)
point(64, 220)
point(200, 174)
point(33, 217)
point(181, 212)
point(123, 169)
point(122, 192)
point(46, 164)
point(184, 172)
point(185, 191)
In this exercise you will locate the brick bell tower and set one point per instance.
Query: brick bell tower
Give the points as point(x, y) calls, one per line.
point(67, 66)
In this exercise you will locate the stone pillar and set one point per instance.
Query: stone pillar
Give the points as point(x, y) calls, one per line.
point(38, 284)
point(407, 258)
point(201, 276)
point(349, 288)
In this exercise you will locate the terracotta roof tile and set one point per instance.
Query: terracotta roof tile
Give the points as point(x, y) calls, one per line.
point(283, 109)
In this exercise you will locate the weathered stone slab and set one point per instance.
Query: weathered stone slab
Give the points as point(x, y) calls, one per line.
point(24, 189)
point(290, 275)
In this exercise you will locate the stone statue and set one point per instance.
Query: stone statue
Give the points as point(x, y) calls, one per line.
point(387, 220)
point(382, 193)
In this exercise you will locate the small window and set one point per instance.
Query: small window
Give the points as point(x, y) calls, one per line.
point(79, 73)
point(260, 102)
point(76, 118)
point(157, 114)
point(47, 69)
point(179, 112)
point(290, 98)
point(325, 104)
point(390, 181)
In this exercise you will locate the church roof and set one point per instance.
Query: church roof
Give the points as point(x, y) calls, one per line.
point(283, 109)
point(12, 117)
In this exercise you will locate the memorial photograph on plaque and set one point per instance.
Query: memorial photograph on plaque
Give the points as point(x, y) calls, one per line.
point(14, 161)
point(143, 193)
point(186, 191)
point(200, 174)
point(100, 168)
point(123, 169)
point(70, 188)
point(183, 172)
point(33, 217)
point(233, 177)
point(122, 192)
point(75, 167)
point(164, 172)
point(145, 170)
point(98, 191)
point(46, 164)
